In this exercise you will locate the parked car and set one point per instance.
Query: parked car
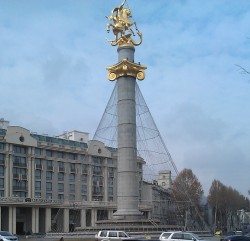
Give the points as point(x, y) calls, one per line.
point(182, 236)
point(235, 238)
point(111, 235)
point(7, 236)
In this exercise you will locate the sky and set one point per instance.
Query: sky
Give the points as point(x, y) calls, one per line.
point(53, 78)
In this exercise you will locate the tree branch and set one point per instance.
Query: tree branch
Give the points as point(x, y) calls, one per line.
point(242, 70)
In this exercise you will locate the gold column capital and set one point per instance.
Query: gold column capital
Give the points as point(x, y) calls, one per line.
point(126, 68)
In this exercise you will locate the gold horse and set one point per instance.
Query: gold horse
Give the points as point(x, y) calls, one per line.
point(121, 23)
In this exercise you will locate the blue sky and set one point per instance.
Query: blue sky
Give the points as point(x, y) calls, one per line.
point(53, 77)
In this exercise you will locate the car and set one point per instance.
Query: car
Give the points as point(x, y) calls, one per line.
point(183, 236)
point(236, 238)
point(7, 236)
point(111, 235)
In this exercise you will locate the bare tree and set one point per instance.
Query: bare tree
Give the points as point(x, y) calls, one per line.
point(188, 191)
point(225, 202)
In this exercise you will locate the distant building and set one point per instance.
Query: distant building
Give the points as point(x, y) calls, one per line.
point(59, 183)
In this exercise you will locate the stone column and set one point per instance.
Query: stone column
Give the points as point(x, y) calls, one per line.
point(35, 220)
point(66, 220)
point(83, 218)
point(12, 219)
point(93, 217)
point(47, 220)
point(127, 181)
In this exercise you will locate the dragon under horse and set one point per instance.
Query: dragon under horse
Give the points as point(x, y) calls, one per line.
point(122, 26)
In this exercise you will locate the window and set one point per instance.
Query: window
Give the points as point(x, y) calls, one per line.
point(72, 156)
point(49, 153)
point(60, 154)
point(1, 170)
point(177, 236)
point(19, 194)
point(72, 177)
point(103, 234)
point(37, 195)
point(48, 186)
point(97, 170)
point(60, 176)
point(2, 158)
point(111, 181)
point(1, 183)
point(97, 180)
point(49, 165)
point(84, 178)
point(19, 149)
point(38, 151)
point(18, 171)
point(72, 167)
point(38, 174)
point(122, 234)
point(84, 189)
point(187, 236)
point(60, 196)
point(19, 161)
point(48, 175)
point(48, 195)
point(97, 190)
point(38, 163)
point(110, 161)
point(82, 157)
point(110, 191)
point(71, 197)
point(38, 186)
point(112, 234)
point(19, 185)
point(61, 167)
point(71, 187)
point(97, 160)
point(61, 164)
point(111, 171)
point(60, 187)
point(84, 197)
point(84, 168)
point(2, 146)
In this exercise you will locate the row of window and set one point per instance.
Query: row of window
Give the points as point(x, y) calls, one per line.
point(59, 141)
point(59, 154)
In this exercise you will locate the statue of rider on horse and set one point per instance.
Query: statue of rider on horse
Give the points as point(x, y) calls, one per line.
point(122, 26)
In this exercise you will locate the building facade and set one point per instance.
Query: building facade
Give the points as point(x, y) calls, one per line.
point(57, 183)
point(61, 183)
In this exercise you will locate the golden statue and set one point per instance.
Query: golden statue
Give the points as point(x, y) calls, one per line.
point(122, 26)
